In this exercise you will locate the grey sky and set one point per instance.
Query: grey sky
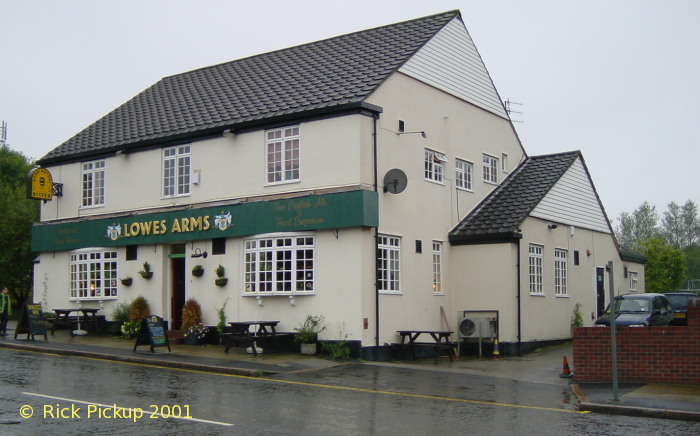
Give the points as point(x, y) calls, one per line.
point(618, 80)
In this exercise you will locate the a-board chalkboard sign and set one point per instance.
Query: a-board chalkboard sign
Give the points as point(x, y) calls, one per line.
point(152, 333)
point(31, 321)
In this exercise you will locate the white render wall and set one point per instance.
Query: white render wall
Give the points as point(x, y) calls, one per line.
point(334, 152)
point(489, 281)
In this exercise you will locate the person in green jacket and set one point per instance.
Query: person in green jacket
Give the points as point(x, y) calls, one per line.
point(5, 310)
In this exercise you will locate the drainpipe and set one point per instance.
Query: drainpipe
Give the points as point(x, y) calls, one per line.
point(376, 241)
point(518, 298)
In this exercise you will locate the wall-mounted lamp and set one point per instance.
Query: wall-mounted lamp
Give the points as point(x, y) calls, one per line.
point(422, 133)
point(588, 252)
point(229, 133)
point(198, 253)
point(121, 153)
point(291, 300)
point(260, 301)
point(552, 226)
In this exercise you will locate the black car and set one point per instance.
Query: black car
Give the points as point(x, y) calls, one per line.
point(679, 304)
point(638, 310)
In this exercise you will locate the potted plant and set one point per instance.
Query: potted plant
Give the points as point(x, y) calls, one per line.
point(195, 334)
point(146, 273)
point(220, 279)
point(127, 281)
point(198, 271)
point(139, 309)
point(307, 333)
point(191, 318)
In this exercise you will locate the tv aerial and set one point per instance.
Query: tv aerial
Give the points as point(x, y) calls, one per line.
point(395, 181)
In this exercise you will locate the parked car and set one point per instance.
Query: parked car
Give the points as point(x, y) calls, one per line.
point(638, 310)
point(679, 304)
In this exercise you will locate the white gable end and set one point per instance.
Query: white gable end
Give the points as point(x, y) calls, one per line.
point(573, 201)
point(450, 62)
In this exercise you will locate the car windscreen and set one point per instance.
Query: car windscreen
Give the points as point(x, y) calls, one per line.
point(632, 305)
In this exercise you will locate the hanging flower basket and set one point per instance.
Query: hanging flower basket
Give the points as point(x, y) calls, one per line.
point(146, 273)
point(198, 271)
point(127, 281)
point(221, 281)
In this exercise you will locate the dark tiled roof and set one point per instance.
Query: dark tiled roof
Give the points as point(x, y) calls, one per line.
point(322, 75)
point(500, 214)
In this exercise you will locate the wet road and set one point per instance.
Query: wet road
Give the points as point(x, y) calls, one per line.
point(67, 395)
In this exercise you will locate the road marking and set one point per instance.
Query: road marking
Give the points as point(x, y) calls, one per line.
point(345, 388)
point(109, 406)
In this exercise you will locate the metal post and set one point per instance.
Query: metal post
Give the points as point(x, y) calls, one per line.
point(613, 330)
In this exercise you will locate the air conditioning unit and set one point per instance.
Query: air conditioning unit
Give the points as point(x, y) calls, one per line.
point(475, 327)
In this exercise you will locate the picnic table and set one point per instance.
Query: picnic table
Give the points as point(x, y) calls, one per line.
point(241, 332)
point(440, 341)
point(63, 318)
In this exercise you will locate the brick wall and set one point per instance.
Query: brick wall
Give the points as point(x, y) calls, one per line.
point(644, 354)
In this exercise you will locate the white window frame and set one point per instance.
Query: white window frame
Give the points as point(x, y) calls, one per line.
point(280, 264)
point(177, 171)
point(93, 183)
point(389, 264)
point(464, 171)
point(535, 271)
point(434, 166)
point(633, 281)
point(283, 155)
point(437, 267)
point(490, 168)
point(504, 162)
point(93, 274)
point(560, 272)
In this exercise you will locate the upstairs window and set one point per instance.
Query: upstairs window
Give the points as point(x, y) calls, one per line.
point(633, 281)
point(282, 154)
point(434, 165)
point(463, 174)
point(176, 171)
point(490, 169)
point(93, 178)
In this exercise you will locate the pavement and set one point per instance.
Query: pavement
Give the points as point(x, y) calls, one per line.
point(653, 400)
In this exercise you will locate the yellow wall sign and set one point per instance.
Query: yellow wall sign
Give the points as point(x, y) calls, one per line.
point(39, 184)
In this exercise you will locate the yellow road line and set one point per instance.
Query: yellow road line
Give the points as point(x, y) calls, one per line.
point(343, 388)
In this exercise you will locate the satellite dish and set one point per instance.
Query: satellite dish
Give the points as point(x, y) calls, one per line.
point(395, 181)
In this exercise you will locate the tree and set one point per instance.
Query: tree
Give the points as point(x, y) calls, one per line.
point(665, 267)
point(690, 225)
point(641, 224)
point(672, 223)
point(18, 214)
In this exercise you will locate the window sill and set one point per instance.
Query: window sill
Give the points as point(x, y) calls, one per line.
point(391, 292)
point(435, 181)
point(491, 183)
point(439, 294)
point(471, 191)
point(96, 206)
point(279, 294)
point(169, 197)
point(283, 182)
point(81, 299)
point(537, 295)
point(562, 296)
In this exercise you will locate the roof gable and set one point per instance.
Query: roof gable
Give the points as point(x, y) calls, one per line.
point(319, 76)
point(573, 200)
point(500, 214)
point(451, 62)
